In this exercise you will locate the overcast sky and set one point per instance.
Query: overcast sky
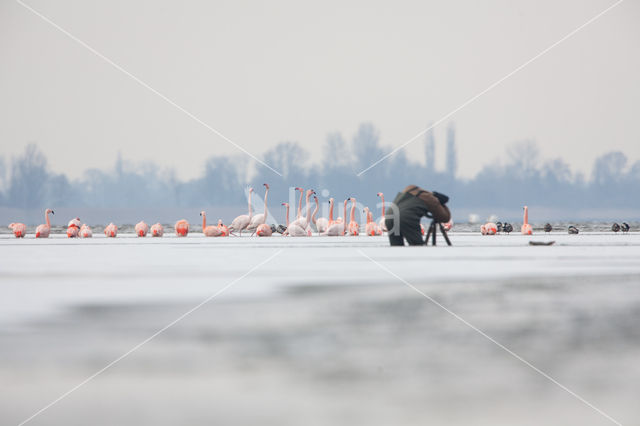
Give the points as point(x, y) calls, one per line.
point(265, 72)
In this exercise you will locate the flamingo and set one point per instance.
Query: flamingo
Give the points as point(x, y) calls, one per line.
point(447, 226)
point(18, 229)
point(85, 231)
point(141, 229)
point(354, 227)
point(381, 223)
point(73, 227)
point(371, 228)
point(293, 229)
point(264, 230)
point(157, 230)
point(526, 228)
point(303, 222)
point(182, 228)
point(344, 216)
point(489, 228)
point(322, 223)
point(111, 230)
point(42, 231)
point(241, 222)
point(336, 227)
point(262, 217)
point(211, 230)
point(224, 231)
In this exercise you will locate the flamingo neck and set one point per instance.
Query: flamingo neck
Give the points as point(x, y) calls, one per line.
point(287, 215)
point(300, 204)
point(353, 210)
point(526, 215)
point(368, 216)
point(383, 209)
point(266, 194)
point(204, 220)
point(331, 211)
point(315, 212)
point(250, 204)
point(46, 217)
point(308, 208)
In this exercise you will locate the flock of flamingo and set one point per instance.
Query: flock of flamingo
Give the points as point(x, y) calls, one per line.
point(300, 227)
point(253, 223)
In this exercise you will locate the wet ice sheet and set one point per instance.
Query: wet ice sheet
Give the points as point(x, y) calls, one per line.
point(40, 275)
point(321, 335)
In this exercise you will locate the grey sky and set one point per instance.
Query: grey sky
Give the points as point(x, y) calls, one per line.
point(264, 72)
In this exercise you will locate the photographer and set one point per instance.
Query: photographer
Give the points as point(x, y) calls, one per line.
point(408, 208)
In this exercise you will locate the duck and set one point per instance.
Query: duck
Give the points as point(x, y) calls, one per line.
point(615, 227)
point(499, 226)
point(507, 227)
point(548, 227)
point(573, 230)
point(624, 227)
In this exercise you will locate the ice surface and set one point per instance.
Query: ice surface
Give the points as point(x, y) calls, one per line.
point(320, 334)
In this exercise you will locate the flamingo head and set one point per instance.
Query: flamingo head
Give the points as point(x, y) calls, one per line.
point(49, 211)
point(285, 204)
point(379, 194)
point(353, 200)
point(250, 189)
point(315, 198)
point(297, 188)
point(266, 185)
point(202, 213)
point(11, 225)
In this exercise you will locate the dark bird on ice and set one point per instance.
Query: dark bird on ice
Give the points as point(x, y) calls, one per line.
point(573, 230)
point(507, 227)
point(548, 227)
point(624, 227)
point(499, 226)
point(280, 229)
point(615, 227)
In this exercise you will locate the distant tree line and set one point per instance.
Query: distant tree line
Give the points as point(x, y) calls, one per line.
point(26, 181)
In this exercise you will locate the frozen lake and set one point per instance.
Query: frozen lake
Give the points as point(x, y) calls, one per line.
point(321, 330)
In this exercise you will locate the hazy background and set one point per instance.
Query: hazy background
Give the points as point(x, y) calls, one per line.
point(365, 72)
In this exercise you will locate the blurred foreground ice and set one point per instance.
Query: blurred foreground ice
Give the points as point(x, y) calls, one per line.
point(320, 334)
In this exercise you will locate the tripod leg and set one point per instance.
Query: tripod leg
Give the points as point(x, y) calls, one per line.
point(433, 236)
point(444, 234)
point(429, 231)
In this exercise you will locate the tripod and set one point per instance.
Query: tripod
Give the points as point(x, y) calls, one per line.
point(432, 233)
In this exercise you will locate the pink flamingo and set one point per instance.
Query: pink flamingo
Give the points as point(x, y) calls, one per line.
point(111, 230)
point(526, 228)
point(157, 230)
point(241, 222)
point(489, 228)
point(264, 230)
point(260, 218)
point(182, 228)
point(382, 224)
point(371, 228)
point(344, 216)
point(224, 231)
point(18, 229)
point(322, 223)
point(293, 229)
point(354, 227)
point(42, 231)
point(336, 227)
point(304, 222)
point(73, 227)
point(141, 229)
point(211, 230)
point(85, 231)
point(299, 215)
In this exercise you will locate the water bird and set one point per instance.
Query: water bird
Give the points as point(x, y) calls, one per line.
point(18, 229)
point(141, 229)
point(624, 227)
point(224, 231)
point(548, 227)
point(573, 230)
point(322, 223)
point(73, 227)
point(111, 231)
point(489, 228)
point(182, 228)
point(293, 229)
point(264, 230)
point(526, 229)
point(508, 228)
point(157, 230)
point(615, 227)
point(42, 231)
point(280, 229)
point(240, 223)
point(336, 227)
point(499, 226)
point(260, 218)
point(211, 230)
point(354, 227)
point(85, 231)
